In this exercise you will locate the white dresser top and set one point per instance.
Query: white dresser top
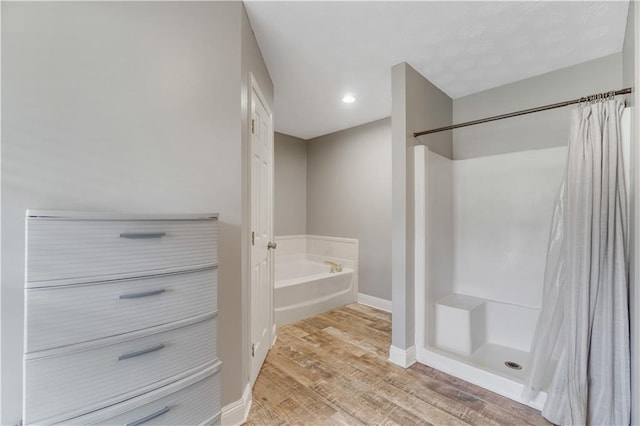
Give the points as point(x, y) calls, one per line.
point(78, 215)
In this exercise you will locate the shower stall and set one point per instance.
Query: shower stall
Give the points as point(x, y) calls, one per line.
point(481, 235)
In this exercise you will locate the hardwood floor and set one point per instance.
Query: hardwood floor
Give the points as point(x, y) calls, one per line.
point(332, 369)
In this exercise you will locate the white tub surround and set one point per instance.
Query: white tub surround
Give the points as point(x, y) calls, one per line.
point(304, 284)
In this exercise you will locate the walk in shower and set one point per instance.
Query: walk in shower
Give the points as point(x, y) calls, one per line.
point(482, 229)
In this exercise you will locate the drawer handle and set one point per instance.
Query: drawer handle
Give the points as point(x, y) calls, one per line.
point(140, 352)
point(141, 235)
point(149, 417)
point(142, 294)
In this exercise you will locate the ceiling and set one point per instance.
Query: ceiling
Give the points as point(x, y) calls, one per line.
point(316, 52)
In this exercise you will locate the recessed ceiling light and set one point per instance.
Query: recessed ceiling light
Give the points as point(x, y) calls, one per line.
point(348, 99)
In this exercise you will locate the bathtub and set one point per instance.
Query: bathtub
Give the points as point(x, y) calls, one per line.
point(305, 287)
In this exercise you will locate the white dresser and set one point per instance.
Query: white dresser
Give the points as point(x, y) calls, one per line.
point(120, 319)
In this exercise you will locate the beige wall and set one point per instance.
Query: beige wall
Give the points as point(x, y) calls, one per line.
point(290, 187)
point(130, 107)
point(534, 131)
point(349, 195)
point(416, 105)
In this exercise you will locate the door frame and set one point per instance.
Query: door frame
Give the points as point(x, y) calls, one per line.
point(254, 87)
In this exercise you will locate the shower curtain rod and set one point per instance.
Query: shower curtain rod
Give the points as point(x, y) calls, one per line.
point(523, 112)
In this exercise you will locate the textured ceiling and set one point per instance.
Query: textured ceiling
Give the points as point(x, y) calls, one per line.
point(318, 51)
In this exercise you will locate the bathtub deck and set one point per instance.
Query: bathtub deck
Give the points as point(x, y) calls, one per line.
point(332, 369)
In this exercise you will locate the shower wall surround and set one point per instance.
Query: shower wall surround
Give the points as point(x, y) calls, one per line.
point(487, 222)
point(439, 226)
point(481, 232)
point(502, 214)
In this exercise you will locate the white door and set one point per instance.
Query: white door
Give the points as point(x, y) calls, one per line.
point(261, 230)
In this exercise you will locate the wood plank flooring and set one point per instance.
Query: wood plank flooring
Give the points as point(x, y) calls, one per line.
point(332, 369)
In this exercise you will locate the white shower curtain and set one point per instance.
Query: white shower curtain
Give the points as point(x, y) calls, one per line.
point(580, 352)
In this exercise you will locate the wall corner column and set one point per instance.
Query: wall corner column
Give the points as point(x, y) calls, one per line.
point(402, 339)
point(416, 105)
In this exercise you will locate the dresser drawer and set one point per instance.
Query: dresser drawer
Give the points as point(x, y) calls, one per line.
point(64, 315)
point(76, 382)
point(65, 251)
point(194, 400)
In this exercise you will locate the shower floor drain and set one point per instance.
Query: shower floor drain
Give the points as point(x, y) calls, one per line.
point(513, 365)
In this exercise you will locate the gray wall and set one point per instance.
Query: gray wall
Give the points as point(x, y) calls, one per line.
point(349, 195)
point(416, 105)
point(130, 107)
point(630, 78)
point(534, 131)
point(290, 187)
point(628, 51)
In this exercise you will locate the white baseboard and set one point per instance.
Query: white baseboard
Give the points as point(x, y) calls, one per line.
point(374, 302)
point(405, 358)
point(274, 335)
point(236, 413)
